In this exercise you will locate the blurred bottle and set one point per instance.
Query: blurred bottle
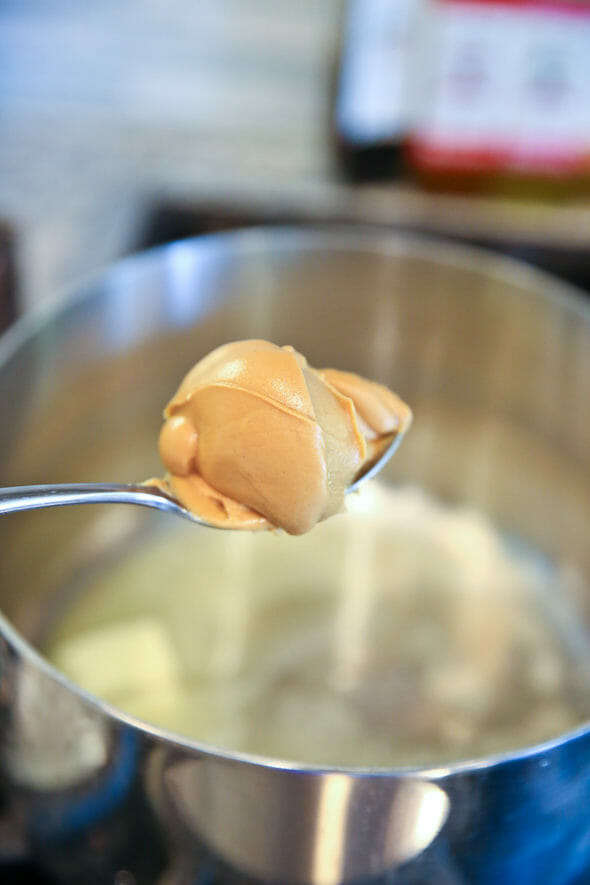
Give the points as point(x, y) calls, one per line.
point(372, 106)
point(503, 100)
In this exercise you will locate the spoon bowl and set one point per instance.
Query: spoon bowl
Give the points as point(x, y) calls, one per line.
point(373, 467)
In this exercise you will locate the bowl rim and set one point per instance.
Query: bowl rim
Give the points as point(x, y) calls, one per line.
point(341, 237)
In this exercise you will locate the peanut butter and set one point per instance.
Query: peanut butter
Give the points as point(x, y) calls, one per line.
point(254, 438)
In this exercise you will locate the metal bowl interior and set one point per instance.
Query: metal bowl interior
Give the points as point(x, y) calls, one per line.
point(493, 357)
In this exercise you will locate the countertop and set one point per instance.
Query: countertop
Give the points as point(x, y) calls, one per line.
point(108, 107)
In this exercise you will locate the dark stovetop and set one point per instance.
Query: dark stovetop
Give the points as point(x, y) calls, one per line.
point(167, 222)
point(23, 874)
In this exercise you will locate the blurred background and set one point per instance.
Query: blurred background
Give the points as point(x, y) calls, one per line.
point(126, 123)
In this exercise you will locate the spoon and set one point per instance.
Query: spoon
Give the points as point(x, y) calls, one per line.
point(18, 498)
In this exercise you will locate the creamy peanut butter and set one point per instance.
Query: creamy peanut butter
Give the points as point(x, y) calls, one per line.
point(254, 438)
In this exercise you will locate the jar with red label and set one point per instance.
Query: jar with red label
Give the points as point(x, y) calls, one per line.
point(502, 96)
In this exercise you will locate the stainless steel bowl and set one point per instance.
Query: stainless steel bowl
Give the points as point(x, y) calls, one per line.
point(495, 360)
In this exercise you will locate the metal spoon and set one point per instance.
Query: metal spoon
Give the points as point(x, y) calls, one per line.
point(19, 498)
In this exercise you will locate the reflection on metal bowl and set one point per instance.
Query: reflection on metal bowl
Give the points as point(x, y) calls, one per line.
point(404, 692)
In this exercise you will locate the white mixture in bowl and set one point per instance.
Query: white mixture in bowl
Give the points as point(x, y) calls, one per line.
point(404, 632)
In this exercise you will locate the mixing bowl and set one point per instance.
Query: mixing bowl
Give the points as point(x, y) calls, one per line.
point(402, 695)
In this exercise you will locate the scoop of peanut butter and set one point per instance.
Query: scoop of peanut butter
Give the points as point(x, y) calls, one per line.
point(254, 438)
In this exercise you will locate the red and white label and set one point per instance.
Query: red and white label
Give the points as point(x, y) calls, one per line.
point(506, 85)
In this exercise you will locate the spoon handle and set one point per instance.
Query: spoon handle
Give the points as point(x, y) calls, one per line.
point(18, 498)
